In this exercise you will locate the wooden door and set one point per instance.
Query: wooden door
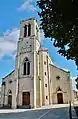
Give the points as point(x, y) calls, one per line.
point(26, 98)
point(60, 98)
point(10, 100)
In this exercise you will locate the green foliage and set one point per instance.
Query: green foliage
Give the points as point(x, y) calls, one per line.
point(59, 20)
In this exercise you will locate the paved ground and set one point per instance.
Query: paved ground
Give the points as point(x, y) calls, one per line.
point(75, 105)
point(59, 113)
point(74, 114)
point(44, 113)
point(43, 107)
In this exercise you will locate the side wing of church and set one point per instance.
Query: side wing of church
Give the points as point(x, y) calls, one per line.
point(36, 81)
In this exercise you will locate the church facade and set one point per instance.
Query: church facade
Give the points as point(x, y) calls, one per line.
point(36, 80)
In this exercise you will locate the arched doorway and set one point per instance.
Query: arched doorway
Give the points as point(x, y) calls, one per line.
point(26, 98)
point(59, 95)
point(60, 98)
point(10, 98)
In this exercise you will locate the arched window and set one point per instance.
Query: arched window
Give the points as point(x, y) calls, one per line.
point(9, 92)
point(26, 67)
point(25, 30)
point(9, 98)
point(29, 29)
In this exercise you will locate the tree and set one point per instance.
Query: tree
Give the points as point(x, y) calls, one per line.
point(59, 20)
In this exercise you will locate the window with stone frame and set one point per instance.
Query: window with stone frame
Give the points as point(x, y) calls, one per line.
point(58, 77)
point(25, 30)
point(46, 97)
point(26, 67)
point(45, 73)
point(10, 81)
point(29, 29)
point(45, 62)
point(9, 91)
point(45, 85)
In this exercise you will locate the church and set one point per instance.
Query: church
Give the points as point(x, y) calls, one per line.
point(36, 80)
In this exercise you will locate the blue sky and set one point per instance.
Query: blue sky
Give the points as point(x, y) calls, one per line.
point(11, 13)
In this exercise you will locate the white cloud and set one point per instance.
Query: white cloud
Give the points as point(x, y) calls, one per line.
point(8, 43)
point(27, 6)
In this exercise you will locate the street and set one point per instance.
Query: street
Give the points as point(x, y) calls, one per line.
point(53, 113)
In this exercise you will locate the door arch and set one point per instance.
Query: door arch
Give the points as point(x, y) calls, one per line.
point(60, 98)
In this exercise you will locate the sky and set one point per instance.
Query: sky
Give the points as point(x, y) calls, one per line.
point(11, 13)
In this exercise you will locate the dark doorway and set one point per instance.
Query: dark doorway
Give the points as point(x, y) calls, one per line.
point(10, 101)
point(60, 98)
point(26, 98)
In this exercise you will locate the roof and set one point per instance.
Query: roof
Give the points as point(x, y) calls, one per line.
point(43, 49)
point(8, 74)
point(28, 20)
point(65, 70)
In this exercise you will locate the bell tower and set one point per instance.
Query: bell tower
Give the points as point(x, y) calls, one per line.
point(29, 32)
point(26, 62)
point(29, 28)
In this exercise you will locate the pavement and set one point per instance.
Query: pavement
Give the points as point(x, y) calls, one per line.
point(45, 112)
point(74, 114)
point(55, 113)
point(40, 108)
point(75, 106)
